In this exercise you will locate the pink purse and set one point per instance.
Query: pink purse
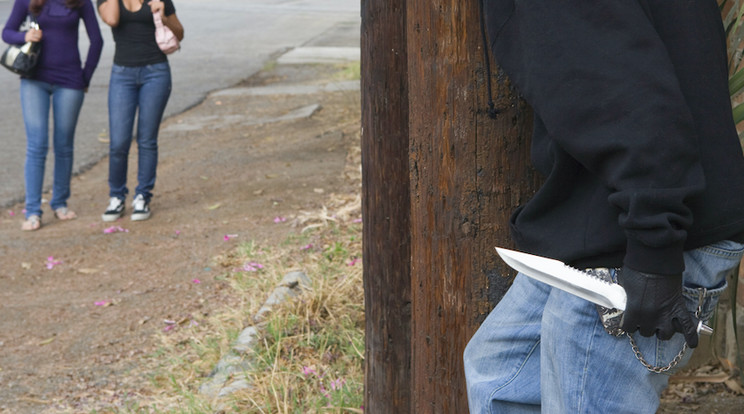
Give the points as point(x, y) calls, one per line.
point(167, 41)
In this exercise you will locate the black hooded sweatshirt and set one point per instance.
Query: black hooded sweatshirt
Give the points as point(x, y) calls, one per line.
point(633, 129)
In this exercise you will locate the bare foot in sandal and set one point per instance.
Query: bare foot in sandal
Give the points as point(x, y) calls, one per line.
point(63, 213)
point(32, 223)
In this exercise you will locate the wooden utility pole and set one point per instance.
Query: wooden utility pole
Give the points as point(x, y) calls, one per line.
point(440, 181)
point(386, 207)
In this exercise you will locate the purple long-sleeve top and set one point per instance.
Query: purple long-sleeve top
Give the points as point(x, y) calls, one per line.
point(59, 62)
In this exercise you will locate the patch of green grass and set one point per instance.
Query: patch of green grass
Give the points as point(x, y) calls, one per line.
point(350, 71)
point(269, 66)
point(310, 354)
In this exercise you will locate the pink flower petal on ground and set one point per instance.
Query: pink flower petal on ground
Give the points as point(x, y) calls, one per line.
point(337, 384)
point(324, 392)
point(279, 219)
point(229, 236)
point(249, 267)
point(115, 229)
point(168, 328)
point(11, 213)
point(196, 281)
point(352, 262)
point(101, 303)
point(306, 247)
point(178, 232)
point(308, 370)
point(51, 262)
point(357, 220)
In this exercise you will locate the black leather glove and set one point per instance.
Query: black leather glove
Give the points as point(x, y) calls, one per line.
point(655, 306)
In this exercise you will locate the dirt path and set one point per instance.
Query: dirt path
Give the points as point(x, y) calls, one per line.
point(71, 334)
point(82, 300)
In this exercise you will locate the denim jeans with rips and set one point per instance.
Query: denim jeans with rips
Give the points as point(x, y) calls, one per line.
point(37, 98)
point(144, 91)
point(544, 350)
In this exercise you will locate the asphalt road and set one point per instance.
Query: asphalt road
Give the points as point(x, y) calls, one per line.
point(225, 42)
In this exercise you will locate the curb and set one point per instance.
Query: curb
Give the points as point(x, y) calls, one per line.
point(226, 376)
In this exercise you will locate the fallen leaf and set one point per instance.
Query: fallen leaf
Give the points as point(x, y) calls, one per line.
point(711, 379)
point(26, 266)
point(319, 190)
point(46, 341)
point(214, 206)
point(734, 385)
point(88, 271)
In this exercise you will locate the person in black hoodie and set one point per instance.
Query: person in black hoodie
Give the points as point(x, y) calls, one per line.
point(644, 183)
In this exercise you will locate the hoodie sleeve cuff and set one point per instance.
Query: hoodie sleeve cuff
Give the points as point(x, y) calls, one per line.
point(667, 260)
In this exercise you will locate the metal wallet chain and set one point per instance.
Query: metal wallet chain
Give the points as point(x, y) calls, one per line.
point(673, 363)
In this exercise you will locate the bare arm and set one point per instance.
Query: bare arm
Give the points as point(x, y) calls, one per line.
point(157, 6)
point(175, 25)
point(109, 11)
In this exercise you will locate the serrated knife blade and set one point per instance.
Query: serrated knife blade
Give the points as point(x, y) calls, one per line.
point(559, 275)
point(574, 281)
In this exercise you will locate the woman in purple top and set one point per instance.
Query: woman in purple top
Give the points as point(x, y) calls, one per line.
point(59, 83)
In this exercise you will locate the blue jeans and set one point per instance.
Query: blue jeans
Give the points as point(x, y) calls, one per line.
point(542, 349)
point(36, 99)
point(147, 88)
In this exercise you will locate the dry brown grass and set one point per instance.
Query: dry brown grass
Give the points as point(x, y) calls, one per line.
point(310, 355)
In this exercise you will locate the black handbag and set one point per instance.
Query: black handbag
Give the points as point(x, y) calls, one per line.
point(21, 59)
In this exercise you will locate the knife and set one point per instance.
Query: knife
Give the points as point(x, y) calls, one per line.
point(574, 281)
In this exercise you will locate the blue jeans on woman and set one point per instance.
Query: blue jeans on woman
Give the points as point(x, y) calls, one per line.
point(542, 349)
point(147, 88)
point(36, 99)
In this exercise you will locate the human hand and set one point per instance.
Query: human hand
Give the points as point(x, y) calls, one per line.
point(655, 306)
point(33, 35)
point(156, 6)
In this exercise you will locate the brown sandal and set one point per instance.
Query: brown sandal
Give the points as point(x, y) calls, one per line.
point(63, 213)
point(32, 223)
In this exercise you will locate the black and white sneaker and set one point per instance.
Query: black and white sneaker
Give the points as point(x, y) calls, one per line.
point(114, 210)
point(141, 208)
